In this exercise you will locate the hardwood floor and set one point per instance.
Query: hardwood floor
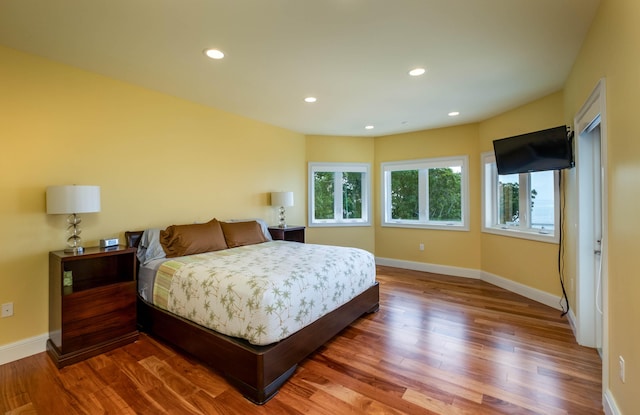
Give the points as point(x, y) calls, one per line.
point(438, 345)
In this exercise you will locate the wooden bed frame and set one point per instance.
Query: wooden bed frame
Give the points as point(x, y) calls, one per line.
point(257, 372)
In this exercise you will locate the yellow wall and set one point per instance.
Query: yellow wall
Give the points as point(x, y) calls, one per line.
point(528, 262)
point(610, 51)
point(159, 160)
point(452, 248)
point(342, 150)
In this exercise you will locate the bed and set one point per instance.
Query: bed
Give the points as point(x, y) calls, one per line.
point(245, 305)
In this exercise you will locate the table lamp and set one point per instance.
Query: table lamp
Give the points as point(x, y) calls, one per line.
point(72, 200)
point(282, 199)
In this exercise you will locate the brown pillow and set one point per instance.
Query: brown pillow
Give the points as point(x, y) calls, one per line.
point(181, 240)
point(242, 233)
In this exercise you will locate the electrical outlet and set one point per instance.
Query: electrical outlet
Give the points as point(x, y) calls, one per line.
point(7, 310)
point(421, 247)
point(622, 374)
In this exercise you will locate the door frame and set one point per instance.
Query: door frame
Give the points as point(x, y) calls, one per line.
point(592, 112)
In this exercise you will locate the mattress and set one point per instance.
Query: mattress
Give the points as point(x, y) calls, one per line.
point(262, 293)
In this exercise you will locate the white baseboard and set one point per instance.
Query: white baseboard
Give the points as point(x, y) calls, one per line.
point(422, 266)
point(609, 404)
point(571, 316)
point(521, 289)
point(534, 294)
point(23, 348)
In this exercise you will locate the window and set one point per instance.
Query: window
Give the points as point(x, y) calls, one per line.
point(524, 205)
point(339, 194)
point(429, 193)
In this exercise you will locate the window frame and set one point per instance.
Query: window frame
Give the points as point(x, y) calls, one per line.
point(338, 220)
point(424, 164)
point(490, 205)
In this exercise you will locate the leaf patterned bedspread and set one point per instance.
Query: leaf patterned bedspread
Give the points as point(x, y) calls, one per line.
point(263, 293)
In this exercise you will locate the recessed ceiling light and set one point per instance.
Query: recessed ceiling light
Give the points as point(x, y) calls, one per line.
point(417, 71)
point(369, 127)
point(310, 99)
point(453, 114)
point(214, 53)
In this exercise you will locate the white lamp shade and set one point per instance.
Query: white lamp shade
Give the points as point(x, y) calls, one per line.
point(73, 199)
point(282, 199)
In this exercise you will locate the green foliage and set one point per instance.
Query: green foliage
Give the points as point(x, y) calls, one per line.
point(445, 195)
point(324, 188)
point(509, 203)
point(351, 195)
point(404, 195)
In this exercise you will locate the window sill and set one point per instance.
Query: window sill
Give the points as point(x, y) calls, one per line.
point(551, 238)
point(452, 227)
point(337, 224)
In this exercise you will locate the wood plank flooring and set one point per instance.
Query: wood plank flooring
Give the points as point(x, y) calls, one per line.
point(438, 345)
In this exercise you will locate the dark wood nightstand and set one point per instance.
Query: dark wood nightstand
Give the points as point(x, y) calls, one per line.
point(92, 303)
point(290, 233)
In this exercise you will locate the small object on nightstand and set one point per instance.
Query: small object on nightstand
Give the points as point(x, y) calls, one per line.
point(67, 279)
point(290, 233)
point(107, 243)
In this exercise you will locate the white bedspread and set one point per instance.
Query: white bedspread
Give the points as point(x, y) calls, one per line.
point(263, 293)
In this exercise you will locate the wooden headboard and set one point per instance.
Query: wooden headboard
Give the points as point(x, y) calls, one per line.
point(133, 238)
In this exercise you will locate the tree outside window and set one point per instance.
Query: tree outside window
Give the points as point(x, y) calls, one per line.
point(352, 195)
point(339, 194)
point(323, 182)
point(425, 193)
point(404, 195)
point(522, 205)
point(445, 194)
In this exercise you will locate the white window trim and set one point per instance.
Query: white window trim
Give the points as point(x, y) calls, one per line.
point(385, 203)
point(366, 194)
point(489, 207)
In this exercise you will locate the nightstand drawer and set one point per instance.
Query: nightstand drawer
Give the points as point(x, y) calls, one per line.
point(92, 317)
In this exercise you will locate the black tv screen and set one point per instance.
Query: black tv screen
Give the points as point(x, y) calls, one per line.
point(538, 151)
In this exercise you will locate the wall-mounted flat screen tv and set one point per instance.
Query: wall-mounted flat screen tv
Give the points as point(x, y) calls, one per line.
point(550, 149)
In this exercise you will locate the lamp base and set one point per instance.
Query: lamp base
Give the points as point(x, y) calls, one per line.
point(76, 250)
point(283, 223)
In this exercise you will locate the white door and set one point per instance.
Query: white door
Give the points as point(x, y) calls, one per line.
point(591, 278)
point(591, 318)
point(592, 139)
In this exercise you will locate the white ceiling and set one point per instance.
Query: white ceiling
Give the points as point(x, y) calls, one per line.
point(482, 56)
